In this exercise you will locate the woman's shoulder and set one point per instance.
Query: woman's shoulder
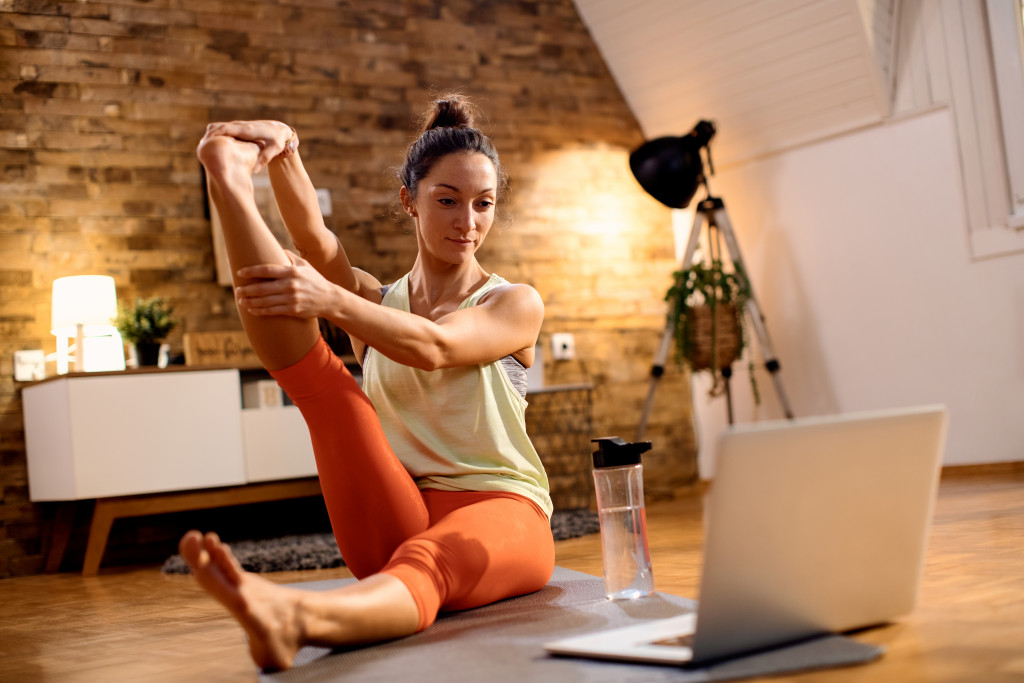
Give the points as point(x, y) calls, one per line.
point(510, 293)
point(399, 287)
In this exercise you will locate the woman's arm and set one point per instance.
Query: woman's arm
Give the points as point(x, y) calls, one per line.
point(296, 200)
point(506, 322)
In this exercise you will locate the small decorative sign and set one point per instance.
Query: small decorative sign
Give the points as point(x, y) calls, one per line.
point(220, 348)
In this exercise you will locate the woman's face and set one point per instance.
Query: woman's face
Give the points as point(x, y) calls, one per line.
point(454, 206)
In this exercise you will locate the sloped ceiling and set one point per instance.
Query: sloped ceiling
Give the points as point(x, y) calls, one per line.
point(771, 74)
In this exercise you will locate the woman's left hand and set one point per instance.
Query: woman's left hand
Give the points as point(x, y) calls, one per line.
point(295, 290)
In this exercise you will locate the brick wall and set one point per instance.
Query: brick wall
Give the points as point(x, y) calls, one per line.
point(102, 103)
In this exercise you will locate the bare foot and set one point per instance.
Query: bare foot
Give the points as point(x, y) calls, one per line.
point(267, 612)
point(227, 158)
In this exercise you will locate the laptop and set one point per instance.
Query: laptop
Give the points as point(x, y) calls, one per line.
point(813, 526)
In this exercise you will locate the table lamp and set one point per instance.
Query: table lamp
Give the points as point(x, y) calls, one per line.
point(85, 307)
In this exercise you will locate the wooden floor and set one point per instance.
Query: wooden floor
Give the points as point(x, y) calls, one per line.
point(139, 625)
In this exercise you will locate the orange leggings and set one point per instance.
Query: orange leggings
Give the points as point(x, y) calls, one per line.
point(452, 549)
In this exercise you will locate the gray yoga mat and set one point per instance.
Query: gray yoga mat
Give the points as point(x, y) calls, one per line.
point(504, 642)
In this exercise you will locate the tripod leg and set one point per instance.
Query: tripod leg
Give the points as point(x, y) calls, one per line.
point(770, 362)
point(726, 377)
point(658, 369)
point(721, 219)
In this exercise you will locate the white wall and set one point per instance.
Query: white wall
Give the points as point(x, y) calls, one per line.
point(859, 255)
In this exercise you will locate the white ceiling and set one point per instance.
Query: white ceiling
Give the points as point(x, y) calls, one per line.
point(771, 74)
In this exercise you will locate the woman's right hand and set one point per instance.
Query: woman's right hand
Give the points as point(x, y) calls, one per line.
point(271, 137)
point(297, 290)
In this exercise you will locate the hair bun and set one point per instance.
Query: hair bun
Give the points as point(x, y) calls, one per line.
point(450, 111)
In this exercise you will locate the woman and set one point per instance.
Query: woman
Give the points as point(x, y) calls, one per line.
point(436, 497)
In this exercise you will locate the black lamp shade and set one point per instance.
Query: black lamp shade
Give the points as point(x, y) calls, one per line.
point(670, 169)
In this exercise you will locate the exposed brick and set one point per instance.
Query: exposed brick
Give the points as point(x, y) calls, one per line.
point(102, 104)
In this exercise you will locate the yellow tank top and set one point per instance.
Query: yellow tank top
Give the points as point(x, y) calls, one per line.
point(455, 429)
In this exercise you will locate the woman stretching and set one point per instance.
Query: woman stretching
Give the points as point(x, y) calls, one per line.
point(436, 497)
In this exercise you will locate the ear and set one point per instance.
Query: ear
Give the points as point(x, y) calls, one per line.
point(407, 203)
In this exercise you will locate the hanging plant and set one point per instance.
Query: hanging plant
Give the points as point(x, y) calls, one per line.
point(706, 311)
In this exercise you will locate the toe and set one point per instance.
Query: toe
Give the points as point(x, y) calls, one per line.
point(191, 547)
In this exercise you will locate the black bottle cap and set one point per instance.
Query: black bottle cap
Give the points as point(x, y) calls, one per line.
point(615, 452)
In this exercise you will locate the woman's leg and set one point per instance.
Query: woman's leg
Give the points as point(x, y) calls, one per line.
point(481, 547)
point(279, 620)
point(373, 502)
point(366, 488)
point(277, 341)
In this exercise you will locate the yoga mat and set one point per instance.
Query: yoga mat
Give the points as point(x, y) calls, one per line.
point(504, 642)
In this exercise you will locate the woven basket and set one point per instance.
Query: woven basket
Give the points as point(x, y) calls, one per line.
point(729, 336)
point(560, 424)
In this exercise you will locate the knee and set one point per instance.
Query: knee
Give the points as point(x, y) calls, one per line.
point(537, 567)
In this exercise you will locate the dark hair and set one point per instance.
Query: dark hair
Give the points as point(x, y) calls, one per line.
point(448, 128)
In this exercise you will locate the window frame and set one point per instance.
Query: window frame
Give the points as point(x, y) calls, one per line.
point(1006, 29)
point(987, 90)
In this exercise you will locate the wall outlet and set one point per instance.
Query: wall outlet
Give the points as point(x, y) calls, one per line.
point(29, 366)
point(563, 346)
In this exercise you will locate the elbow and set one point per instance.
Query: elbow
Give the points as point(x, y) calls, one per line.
point(431, 358)
point(314, 250)
point(428, 363)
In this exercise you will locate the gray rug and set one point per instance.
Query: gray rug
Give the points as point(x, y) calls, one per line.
point(319, 551)
point(505, 642)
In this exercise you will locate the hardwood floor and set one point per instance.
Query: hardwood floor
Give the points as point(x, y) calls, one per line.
point(139, 625)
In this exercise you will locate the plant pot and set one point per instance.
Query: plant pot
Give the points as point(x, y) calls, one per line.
point(147, 354)
point(723, 332)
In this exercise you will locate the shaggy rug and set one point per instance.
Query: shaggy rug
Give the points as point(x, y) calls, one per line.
point(319, 551)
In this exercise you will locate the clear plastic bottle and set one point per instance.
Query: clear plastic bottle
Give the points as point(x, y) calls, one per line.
point(618, 480)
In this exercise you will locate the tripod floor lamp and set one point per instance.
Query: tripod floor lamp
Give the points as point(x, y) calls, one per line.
point(671, 169)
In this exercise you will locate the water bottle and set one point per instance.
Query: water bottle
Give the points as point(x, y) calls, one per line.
point(618, 479)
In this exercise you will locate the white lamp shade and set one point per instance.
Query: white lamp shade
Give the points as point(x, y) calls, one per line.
point(87, 300)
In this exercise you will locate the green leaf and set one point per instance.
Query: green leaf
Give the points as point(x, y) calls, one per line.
point(148, 320)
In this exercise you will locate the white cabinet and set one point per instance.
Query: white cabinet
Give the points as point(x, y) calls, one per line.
point(126, 434)
point(276, 444)
point(97, 436)
point(154, 441)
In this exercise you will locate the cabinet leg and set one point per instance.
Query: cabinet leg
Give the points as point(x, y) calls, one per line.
point(102, 519)
point(62, 525)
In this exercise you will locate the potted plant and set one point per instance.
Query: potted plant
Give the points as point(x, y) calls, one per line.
point(144, 325)
point(706, 309)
